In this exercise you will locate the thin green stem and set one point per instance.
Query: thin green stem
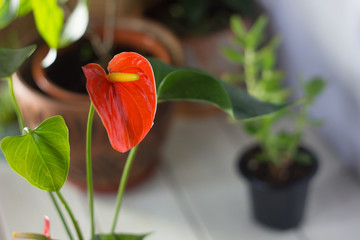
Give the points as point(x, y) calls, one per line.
point(75, 223)
point(122, 185)
point(89, 169)
point(17, 108)
point(250, 71)
point(61, 215)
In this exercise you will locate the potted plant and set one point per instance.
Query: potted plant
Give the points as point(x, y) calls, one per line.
point(56, 92)
point(278, 168)
point(126, 100)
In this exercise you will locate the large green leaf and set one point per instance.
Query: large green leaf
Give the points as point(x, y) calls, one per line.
point(49, 19)
point(8, 11)
point(191, 84)
point(244, 106)
point(117, 236)
point(11, 59)
point(42, 156)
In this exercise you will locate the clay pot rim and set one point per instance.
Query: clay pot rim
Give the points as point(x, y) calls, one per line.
point(158, 40)
point(38, 95)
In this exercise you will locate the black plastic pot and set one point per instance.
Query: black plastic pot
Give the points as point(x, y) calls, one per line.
point(278, 206)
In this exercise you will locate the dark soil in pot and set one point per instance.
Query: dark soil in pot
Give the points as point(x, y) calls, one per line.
point(66, 70)
point(278, 203)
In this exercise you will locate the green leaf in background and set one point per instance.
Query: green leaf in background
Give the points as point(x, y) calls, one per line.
point(8, 11)
point(49, 19)
point(256, 33)
point(233, 56)
point(313, 88)
point(117, 236)
point(238, 26)
point(191, 84)
point(76, 24)
point(11, 59)
point(25, 7)
point(42, 156)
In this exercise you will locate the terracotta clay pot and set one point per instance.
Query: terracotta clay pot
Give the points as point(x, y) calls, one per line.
point(38, 102)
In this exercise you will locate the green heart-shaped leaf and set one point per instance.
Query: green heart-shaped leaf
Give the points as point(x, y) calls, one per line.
point(11, 59)
point(42, 156)
point(191, 84)
point(117, 236)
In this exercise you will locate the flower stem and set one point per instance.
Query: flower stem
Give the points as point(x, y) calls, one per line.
point(89, 169)
point(61, 215)
point(122, 185)
point(17, 108)
point(75, 223)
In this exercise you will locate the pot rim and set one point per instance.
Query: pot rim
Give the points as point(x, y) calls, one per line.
point(242, 169)
point(158, 40)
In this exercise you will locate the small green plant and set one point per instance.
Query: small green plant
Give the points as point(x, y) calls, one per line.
point(257, 57)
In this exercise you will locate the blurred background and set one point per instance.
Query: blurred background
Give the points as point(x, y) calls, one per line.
point(317, 39)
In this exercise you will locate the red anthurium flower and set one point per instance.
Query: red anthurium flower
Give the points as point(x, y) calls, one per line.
point(125, 98)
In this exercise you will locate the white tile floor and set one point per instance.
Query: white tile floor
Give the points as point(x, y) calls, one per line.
point(196, 194)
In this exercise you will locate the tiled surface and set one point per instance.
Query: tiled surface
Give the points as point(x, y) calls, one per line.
point(196, 194)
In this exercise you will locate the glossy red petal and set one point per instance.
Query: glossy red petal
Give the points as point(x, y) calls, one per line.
point(127, 109)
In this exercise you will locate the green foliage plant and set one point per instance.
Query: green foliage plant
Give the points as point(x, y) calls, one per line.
point(255, 53)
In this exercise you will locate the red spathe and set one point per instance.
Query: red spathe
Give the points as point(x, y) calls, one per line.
point(127, 109)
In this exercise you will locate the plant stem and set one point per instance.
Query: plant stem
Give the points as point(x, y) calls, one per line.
point(61, 215)
point(122, 185)
point(17, 108)
point(250, 71)
point(75, 223)
point(89, 169)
